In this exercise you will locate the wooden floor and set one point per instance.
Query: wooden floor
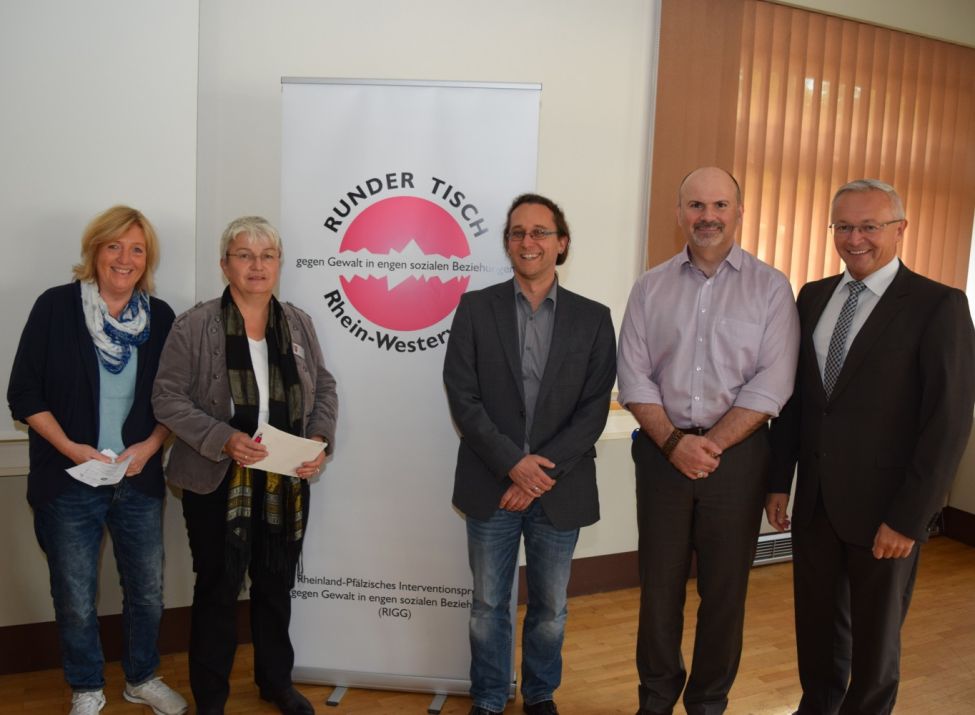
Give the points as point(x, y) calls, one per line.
point(938, 666)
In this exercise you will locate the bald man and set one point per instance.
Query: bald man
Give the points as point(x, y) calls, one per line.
point(707, 355)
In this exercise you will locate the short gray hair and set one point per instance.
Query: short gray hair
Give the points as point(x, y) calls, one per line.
point(255, 227)
point(862, 185)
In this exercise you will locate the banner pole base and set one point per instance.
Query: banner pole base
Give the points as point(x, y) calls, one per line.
point(436, 705)
point(336, 696)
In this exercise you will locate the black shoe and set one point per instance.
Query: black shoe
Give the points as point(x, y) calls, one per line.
point(289, 701)
point(482, 711)
point(546, 707)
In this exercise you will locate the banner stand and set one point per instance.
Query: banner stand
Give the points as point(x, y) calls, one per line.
point(393, 198)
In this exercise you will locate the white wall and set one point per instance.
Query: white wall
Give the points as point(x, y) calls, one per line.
point(98, 107)
point(593, 60)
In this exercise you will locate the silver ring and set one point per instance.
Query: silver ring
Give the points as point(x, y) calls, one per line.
point(702, 474)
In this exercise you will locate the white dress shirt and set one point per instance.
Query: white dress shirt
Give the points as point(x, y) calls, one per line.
point(877, 283)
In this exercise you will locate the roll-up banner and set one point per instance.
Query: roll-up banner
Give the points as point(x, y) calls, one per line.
point(393, 198)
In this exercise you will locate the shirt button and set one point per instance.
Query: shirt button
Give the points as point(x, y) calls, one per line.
point(697, 397)
point(700, 340)
point(698, 368)
point(704, 310)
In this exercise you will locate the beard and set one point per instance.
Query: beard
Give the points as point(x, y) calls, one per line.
point(707, 241)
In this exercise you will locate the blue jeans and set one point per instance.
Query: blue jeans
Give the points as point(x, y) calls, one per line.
point(492, 548)
point(69, 529)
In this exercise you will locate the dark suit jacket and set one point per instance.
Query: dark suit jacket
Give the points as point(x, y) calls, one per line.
point(885, 446)
point(56, 370)
point(482, 373)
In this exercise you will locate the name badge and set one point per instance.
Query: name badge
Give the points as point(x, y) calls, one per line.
point(297, 350)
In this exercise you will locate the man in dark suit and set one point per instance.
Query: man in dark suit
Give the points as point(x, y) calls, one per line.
point(528, 370)
point(881, 413)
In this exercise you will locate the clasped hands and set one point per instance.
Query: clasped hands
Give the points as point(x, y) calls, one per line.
point(529, 481)
point(246, 451)
point(695, 456)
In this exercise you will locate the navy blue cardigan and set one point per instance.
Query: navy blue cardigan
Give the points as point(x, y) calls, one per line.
point(56, 370)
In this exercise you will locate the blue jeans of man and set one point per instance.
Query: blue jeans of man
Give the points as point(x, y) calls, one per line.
point(492, 548)
point(70, 529)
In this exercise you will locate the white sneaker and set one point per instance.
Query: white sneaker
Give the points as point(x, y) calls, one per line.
point(156, 694)
point(87, 703)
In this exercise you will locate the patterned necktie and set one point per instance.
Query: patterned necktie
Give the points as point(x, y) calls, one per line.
point(837, 343)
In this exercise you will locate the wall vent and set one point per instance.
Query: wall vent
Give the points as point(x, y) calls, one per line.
point(773, 548)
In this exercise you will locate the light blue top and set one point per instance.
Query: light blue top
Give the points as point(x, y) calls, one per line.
point(116, 394)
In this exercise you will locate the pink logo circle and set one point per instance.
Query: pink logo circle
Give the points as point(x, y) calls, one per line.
point(423, 233)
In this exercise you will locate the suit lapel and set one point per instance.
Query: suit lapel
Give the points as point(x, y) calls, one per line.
point(815, 311)
point(507, 322)
point(889, 305)
point(561, 331)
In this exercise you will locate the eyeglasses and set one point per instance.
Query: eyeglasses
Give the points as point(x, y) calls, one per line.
point(867, 229)
point(536, 234)
point(250, 257)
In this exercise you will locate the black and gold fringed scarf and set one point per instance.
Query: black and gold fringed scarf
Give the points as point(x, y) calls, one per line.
point(285, 511)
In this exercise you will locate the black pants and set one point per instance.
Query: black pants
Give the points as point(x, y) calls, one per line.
point(849, 611)
point(718, 518)
point(213, 629)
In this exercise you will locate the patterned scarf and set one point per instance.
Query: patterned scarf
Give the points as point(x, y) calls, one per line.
point(285, 498)
point(114, 338)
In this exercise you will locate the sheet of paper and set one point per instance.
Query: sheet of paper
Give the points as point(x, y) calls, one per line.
point(285, 452)
point(100, 474)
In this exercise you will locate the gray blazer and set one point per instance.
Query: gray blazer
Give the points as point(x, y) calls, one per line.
point(191, 394)
point(482, 374)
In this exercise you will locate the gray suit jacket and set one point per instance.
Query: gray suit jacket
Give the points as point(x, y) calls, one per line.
point(885, 445)
point(482, 374)
point(191, 394)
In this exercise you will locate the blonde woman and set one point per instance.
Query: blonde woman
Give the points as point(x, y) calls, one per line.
point(82, 381)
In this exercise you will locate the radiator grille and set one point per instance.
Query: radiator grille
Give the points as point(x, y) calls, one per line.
point(773, 548)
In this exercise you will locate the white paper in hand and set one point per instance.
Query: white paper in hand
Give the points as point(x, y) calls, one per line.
point(285, 452)
point(100, 474)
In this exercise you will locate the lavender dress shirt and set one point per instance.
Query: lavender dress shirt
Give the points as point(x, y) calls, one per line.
point(700, 346)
